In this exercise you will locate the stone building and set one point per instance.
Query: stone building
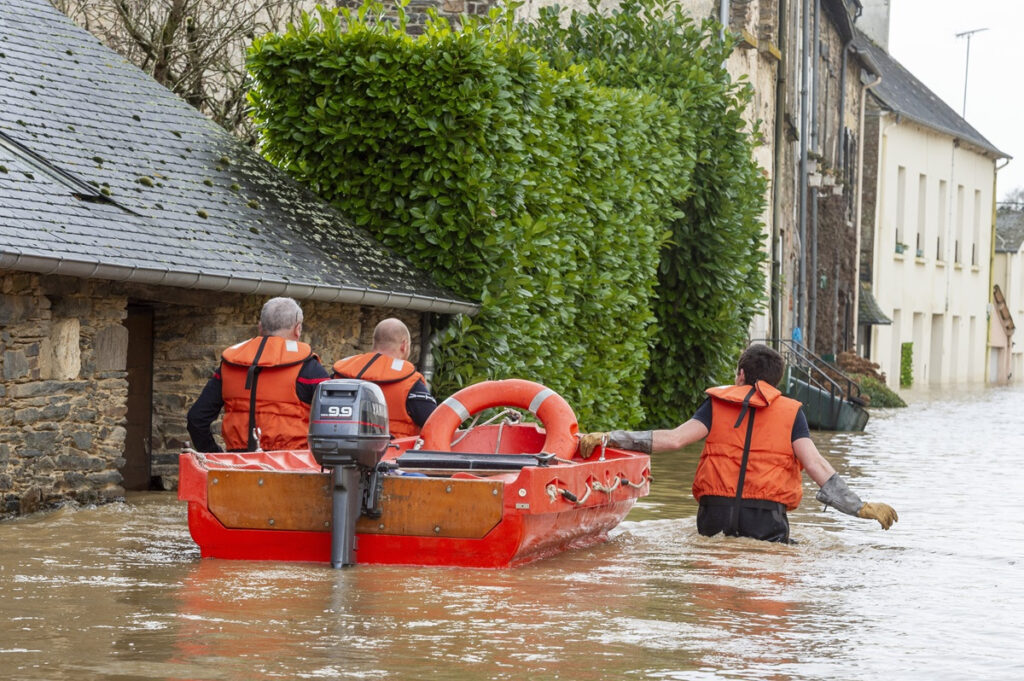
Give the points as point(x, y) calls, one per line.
point(819, 174)
point(137, 240)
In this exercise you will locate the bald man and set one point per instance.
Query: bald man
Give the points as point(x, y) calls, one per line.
point(387, 364)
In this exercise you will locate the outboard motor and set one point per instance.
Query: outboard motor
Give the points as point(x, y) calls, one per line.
point(348, 432)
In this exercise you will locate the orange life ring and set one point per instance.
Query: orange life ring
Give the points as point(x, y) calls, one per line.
point(554, 412)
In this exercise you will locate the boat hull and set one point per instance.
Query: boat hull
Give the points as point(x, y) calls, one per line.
point(277, 506)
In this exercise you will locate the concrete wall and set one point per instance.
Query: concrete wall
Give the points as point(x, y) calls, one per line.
point(64, 383)
point(932, 254)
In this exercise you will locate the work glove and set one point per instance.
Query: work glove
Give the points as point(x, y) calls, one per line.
point(590, 441)
point(837, 494)
point(633, 440)
point(883, 513)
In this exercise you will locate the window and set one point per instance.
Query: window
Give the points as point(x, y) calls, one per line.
point(922, 212)
point(940, 235)
point(958, 242)
point(976, 229)
point(901, 208)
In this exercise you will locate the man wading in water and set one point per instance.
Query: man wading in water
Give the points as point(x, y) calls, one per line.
point(757, 443)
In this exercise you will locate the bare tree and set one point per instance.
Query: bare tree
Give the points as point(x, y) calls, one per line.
point(1013, 199)
point(195, 48)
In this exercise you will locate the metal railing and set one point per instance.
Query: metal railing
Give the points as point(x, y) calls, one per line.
point(830, 383)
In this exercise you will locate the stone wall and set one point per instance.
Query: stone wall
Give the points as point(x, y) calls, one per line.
point(62, 395)
point(64, 386)
point(416, 12)
point(869, 191)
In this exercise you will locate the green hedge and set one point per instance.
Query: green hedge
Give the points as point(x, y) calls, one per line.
point(881, 395)
point(528, 188)
point(906, 365)
point(559, 175)
point(711, 278)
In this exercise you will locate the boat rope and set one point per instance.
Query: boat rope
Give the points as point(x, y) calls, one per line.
point(607, 489)
point(635, 485)
point(246, 466)
point(595, 486)
point(511, 417)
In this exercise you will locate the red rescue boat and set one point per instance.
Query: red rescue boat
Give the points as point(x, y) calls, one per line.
point(497, 496)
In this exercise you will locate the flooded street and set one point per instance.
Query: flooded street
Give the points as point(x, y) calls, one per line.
point(119, 591)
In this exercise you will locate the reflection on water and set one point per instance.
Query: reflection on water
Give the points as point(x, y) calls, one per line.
point(119, 592)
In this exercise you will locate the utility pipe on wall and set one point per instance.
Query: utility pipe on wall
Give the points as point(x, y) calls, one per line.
point(804, 133)
point(810, 332)
point(777, 174)
point(859, 198)
point(1004, 370)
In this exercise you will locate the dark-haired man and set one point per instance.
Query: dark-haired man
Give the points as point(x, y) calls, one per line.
point(756, 442)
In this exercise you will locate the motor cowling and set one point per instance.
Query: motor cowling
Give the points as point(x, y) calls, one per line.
point(348, 433)
point(348, 423)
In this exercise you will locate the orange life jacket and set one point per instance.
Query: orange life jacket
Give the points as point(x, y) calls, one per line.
point(773, 471)
point(258, 379)
point(396, 377)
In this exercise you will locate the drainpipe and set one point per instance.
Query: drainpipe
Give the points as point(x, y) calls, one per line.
point(812, 289)
point(804, 134)
point(777, 173)
point(723, 17)
point(841, 128)
point(859, 198)
point(836, 272)
point(952, 244)
point(840, 157)
point(1004, 369)
point(428, 339)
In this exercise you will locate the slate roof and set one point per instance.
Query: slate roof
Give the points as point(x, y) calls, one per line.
point(1009, 230)
point(901, 92)
point(106, 174)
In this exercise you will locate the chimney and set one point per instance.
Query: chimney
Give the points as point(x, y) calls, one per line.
point(874, 21)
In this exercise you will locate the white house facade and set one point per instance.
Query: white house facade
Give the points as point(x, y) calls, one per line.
point(931, 256)
point(931, 250)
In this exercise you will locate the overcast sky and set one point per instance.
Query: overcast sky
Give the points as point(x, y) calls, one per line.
point(922, 37)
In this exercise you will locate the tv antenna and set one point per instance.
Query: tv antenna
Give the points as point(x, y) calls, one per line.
point(967, 64)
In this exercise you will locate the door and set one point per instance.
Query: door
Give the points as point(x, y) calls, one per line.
point(139, 365)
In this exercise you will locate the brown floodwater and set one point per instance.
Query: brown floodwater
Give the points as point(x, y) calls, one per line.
point(119, 591)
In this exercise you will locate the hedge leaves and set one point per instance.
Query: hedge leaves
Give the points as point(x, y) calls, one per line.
point(542, 182)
